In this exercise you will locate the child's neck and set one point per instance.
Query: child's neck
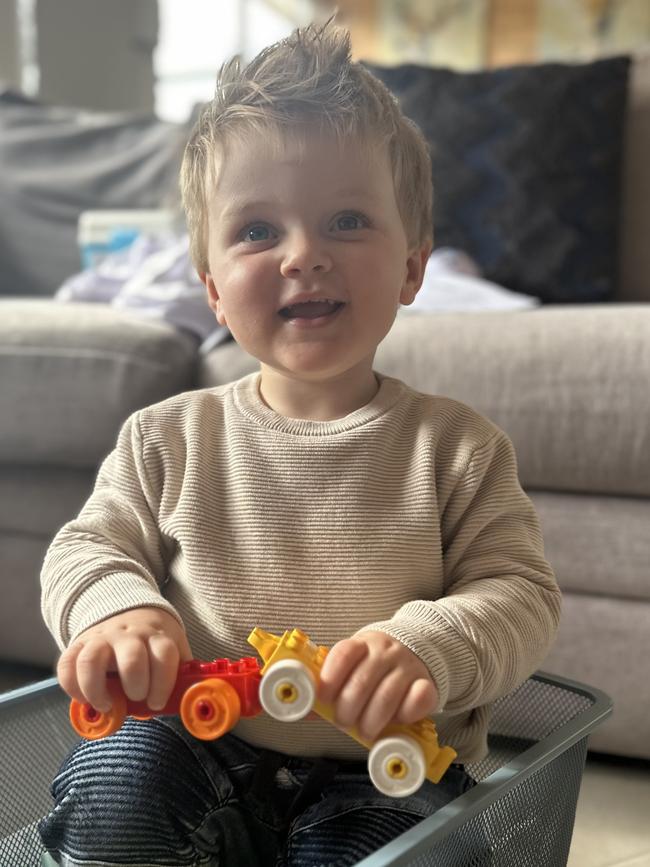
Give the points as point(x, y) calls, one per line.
point(317, 400)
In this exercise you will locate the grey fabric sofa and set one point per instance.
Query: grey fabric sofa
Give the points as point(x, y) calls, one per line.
point(570, 385)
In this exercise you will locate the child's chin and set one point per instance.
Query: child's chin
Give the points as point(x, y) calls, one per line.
point(312, 366)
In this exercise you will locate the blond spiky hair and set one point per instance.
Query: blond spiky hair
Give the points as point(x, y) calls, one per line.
point(305, 81)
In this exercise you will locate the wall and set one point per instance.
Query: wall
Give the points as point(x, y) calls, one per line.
point(511, 32)
point(97, 54)
point(472, 34)
point(9, 60)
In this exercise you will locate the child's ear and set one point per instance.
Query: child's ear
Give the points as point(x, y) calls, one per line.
point(415, 266)
point(213, 296)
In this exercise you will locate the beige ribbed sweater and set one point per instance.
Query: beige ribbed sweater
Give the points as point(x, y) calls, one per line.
point(406, 515)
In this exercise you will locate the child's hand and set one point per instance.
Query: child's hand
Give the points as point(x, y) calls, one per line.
point(372, 680)
point(144, 645)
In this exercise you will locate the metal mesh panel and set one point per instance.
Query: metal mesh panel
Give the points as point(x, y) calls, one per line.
point(531, 713)
point(35, 736)
point(531, 825)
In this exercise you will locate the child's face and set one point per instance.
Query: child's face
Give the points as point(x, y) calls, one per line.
point(284, 231)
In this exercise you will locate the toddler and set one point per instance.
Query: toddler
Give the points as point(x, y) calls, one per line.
point(388, 524)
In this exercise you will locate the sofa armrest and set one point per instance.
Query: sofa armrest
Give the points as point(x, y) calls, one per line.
point(70, 374)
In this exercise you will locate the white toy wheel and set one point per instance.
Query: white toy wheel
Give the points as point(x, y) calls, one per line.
point(288, 690)
point(397, 766)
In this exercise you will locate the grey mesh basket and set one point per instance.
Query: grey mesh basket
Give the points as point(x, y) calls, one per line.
point(522, 811)
point(520, 814)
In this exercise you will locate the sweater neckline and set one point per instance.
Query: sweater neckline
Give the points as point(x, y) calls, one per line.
point(246, 394)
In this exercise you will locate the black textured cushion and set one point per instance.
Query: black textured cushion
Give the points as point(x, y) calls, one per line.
point(526, 169)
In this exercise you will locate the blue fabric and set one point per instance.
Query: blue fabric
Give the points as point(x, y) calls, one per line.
point(152, 795)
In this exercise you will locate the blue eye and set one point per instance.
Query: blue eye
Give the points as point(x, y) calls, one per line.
point(350, 222)
point(256, 232)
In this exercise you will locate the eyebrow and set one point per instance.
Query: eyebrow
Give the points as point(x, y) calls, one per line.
point(236, 208)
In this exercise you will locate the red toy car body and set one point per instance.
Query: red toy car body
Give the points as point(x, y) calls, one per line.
point(210, 697)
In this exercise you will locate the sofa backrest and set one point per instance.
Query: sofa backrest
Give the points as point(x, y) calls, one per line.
point(634, 278)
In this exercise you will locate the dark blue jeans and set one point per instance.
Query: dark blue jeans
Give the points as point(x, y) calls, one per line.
point(152, 795)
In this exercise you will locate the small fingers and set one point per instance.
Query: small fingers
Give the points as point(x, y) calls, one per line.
point(164, 656)
point(420, 700)
point(359, 690)
point(66, 671)
point(183, 645)
point(339, 664)
point(92, 663)
point(383, 705)
point(132, 662)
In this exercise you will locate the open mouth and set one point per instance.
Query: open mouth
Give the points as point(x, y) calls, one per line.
point(316, 309)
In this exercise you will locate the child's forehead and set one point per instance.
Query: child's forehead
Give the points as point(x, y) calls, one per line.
point(318, 173)
point(297, 147)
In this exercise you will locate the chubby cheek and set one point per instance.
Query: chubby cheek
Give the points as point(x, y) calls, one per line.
point(381, 287)
point(243, 290)
point(248, 304)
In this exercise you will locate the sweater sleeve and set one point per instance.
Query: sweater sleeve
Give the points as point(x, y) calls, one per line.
point(111, 557)
point(500, 610)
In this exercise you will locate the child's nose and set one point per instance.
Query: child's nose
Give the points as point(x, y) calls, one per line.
point(304, 255)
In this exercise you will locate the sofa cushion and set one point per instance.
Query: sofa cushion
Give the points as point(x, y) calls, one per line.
point(606, 642)
point(23, 634)
point(225, 364)
point(526, 169)
point(568, 384)
point(584, 535)
point(70, 374)
point(37, 500)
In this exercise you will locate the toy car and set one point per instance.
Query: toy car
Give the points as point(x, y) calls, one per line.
point(209, 696)
point(400, 758)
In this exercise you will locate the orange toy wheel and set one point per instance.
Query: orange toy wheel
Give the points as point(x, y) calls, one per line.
point(94, 724)
point(210, 708)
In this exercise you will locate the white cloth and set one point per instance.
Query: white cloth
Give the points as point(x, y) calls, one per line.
point(153, 278)
point(453, 282)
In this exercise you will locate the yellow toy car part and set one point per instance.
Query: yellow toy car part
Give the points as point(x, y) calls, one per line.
point(400, 759)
